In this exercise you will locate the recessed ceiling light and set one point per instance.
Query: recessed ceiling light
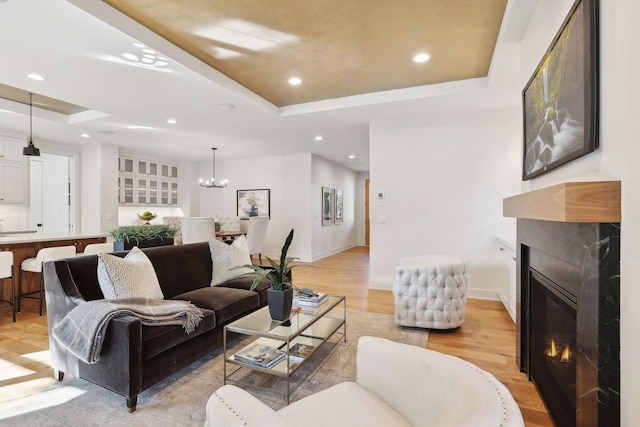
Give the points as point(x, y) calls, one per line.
point(226, 106)
point(319, 138)
point(172, 121)
point(36, 77)
point(421, 57)
point(107, 132)
point(85, 135)
point(295, 81)
point(351, 156)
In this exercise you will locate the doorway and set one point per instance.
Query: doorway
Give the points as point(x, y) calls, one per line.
point(366, 212)
point(50, 194)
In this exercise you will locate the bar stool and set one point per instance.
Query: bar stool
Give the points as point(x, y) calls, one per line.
point(34, 265)
point(6, 272)
point(97, 248)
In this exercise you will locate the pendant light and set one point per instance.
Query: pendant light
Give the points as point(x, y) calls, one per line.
point(212, 183)
point(30, 150)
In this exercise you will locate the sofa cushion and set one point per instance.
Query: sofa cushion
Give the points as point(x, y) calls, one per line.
point(245, 283)
point(156, 339)
point(351, 405)
point(227, 303)
point(181, 268)
point(128, 277)
point(225, 258)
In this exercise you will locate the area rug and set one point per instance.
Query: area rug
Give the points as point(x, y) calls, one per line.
point(181, 398)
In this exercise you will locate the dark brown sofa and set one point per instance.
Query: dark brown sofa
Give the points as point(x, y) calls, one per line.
point(134, 356)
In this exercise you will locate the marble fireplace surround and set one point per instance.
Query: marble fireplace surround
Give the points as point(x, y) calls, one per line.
point(571, 232)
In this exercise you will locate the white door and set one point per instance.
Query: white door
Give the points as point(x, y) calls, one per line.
point(50, 194)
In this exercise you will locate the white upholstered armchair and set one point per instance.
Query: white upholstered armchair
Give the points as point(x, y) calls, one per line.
point(397, 385)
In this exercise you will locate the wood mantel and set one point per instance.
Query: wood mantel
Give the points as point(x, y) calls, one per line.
point(595, 201)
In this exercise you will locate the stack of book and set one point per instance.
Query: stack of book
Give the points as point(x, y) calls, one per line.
point(312, 300)
point(260, 355)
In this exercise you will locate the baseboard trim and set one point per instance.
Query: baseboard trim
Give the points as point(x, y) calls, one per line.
point(321, 255)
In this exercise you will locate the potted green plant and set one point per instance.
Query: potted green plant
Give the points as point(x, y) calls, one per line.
point(217, 224)
point(280, 294)
point(142, 236)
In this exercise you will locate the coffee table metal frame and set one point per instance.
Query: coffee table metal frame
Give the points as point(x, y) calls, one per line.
point(311, 326)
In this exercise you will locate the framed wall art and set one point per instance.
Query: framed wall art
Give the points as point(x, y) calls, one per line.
point(254, 203)
point(337, 218)
point(560, 101)
point(327, 206)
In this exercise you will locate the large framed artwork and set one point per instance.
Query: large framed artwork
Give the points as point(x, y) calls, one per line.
point(560, 101)
point(337, 218)
point(254, 203)
point(327, 206)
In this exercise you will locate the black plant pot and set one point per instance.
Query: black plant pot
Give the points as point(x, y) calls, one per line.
point(280, 303)
point(125, 246)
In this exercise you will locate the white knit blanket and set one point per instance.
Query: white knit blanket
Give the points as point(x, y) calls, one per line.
point(83, 329)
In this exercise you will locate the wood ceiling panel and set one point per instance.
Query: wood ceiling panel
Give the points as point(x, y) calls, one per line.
point(40, 101)
point(338, 47)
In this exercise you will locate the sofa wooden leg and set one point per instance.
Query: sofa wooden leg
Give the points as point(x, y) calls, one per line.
point(58, 375)
point(132, 403)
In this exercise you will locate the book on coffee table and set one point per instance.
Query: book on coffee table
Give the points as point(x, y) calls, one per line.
point(258, 354)
point(312, 300)
point(298, 352)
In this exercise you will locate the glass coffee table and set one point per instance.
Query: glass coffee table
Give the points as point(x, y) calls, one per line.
point(288, 343)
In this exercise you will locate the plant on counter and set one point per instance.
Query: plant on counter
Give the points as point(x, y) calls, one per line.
point(138, 233)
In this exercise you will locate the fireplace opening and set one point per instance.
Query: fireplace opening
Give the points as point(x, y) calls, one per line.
point(552, 349)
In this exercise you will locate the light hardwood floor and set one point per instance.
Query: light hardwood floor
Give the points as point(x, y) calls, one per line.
point(487, 337)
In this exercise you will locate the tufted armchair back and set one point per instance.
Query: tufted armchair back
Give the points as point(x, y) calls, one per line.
point(431, 291)
point(228, 223)
point(174, 221)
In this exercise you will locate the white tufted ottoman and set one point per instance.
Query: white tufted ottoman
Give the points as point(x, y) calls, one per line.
point(431, 291)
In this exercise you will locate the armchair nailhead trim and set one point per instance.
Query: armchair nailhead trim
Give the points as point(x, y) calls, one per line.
point(224, 402)
point(493, 384)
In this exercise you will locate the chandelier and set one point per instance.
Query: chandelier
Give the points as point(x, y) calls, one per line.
point(212, 183)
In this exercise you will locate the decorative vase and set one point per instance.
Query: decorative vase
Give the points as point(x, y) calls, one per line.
point(147, 218)
point(280, 303)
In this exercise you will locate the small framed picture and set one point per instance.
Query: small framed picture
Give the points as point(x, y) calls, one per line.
point(327, 206)
point(337, 218)
point(254, 203)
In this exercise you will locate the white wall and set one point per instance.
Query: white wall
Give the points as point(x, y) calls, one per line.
point(288, 178)
point(444, 178)
point(330, 239)
point(615, 159)
point(295, 182)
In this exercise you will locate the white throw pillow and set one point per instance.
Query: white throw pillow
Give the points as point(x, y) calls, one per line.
point(128, 277)
point(224, 257)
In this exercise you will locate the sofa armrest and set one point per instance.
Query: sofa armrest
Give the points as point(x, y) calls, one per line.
point(231, 406)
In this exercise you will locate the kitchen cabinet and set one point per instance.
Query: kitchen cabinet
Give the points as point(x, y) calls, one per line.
point(12, 181)
point(143, 182)
point(11, 149)
point(506, 275)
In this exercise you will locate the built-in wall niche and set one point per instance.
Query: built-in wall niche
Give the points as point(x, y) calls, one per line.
point(147, 182)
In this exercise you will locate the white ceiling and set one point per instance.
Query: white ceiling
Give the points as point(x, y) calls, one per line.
point(80, 57)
